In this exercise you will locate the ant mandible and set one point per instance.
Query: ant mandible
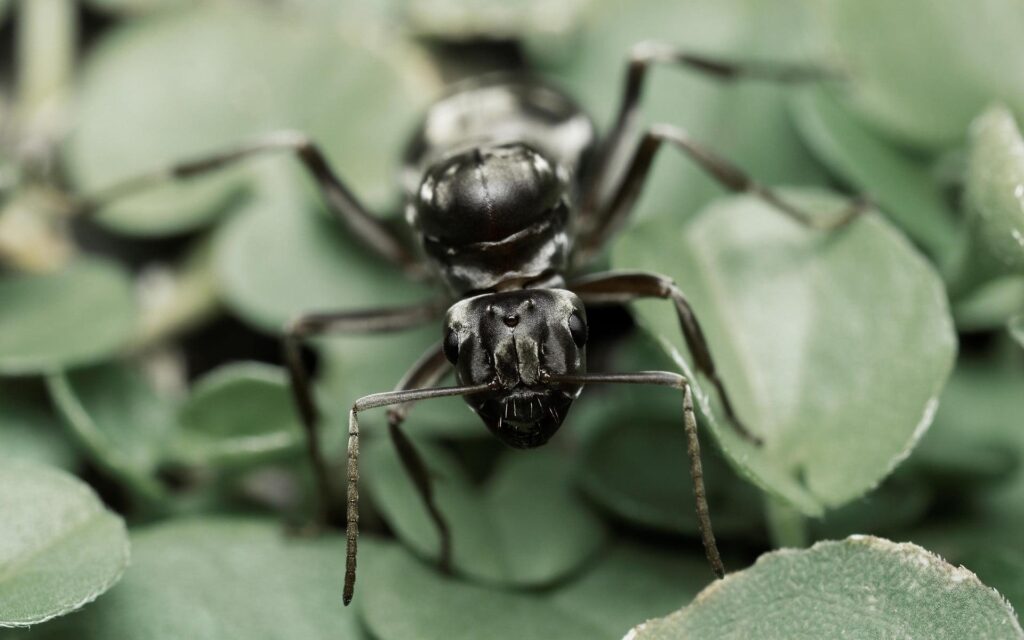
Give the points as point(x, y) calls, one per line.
point(507, 193)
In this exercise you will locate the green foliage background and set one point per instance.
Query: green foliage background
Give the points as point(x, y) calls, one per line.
point(144, 414)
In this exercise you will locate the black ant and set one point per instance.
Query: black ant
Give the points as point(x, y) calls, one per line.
point(507, 192)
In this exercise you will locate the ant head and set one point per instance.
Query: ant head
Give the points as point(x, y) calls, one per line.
point(513, 340)
point(477, 207)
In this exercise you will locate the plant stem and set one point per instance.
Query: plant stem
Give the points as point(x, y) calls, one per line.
point(47, 33)
point(786, 526)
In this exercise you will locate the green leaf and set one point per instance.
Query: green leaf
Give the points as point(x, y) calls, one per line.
point(747, 122)
point(525, 526)
point(59, 547)
point(238, 415)
point(901, 185)
point(193, 82)
point(921, 70)
point(222, 579)
point(994, 198)
point(80, 315)
point(1016, 328)
point(117, 418)
point(400, 597)
point(134, 7)
point(29, 430)
point(989, 306)
point(976, 436)
point(861, 587)
point(834, 346)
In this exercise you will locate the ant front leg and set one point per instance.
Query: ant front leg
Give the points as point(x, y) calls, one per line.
point(676, 381)
point(316, 324)
point(372, 231)
point(621, 287)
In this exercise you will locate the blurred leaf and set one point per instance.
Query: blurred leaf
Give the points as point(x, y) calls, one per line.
point(633, 582)
point(834, 346)
point(29, 431)
point(922, 69)
point(1016, 328)
point(133, 7)
point(899, 502)
point(59, 547)
point(747, 122)
point(80, 315)
point(193, 82)
point(120, 422)
point(222, 579)
point(901, 185)
point(976, 435)
point(994, 198)
point(493, 19)
point(525, 526)
point(633, 460)
point(238, 415)
point(401, 598)
point(861, 587)
point(990, 305)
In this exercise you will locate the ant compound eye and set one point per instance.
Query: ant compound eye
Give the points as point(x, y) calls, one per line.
point(578, 329)
point(451, 346)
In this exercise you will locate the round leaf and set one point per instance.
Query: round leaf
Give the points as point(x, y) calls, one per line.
point(59, 546)
point(862, 587)
point(834, 346)
point(524, 527)
point(194, 82)
point(922, 69)
point(400, 597)
point(240, 414)
point(901, 185)
point(1016, 328)
point(995, 201)
point(633, 582)
point(118, 420)
point(80, 315)
point(222, 579)
point(30, 431)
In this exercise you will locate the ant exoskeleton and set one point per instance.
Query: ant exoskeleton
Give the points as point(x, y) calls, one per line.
point(507, 192)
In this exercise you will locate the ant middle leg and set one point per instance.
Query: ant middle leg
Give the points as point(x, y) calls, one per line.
point(374, 232)
point(620, 287)
point(427, 372)
point(312, 325)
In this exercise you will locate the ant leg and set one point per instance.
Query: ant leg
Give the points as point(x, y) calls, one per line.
point(676, 381)
point(646, 54)
point(427, 372)
point(371, 230)
point(370, 402)
point(315, 324)
point(613, 214)
point(620, 287)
